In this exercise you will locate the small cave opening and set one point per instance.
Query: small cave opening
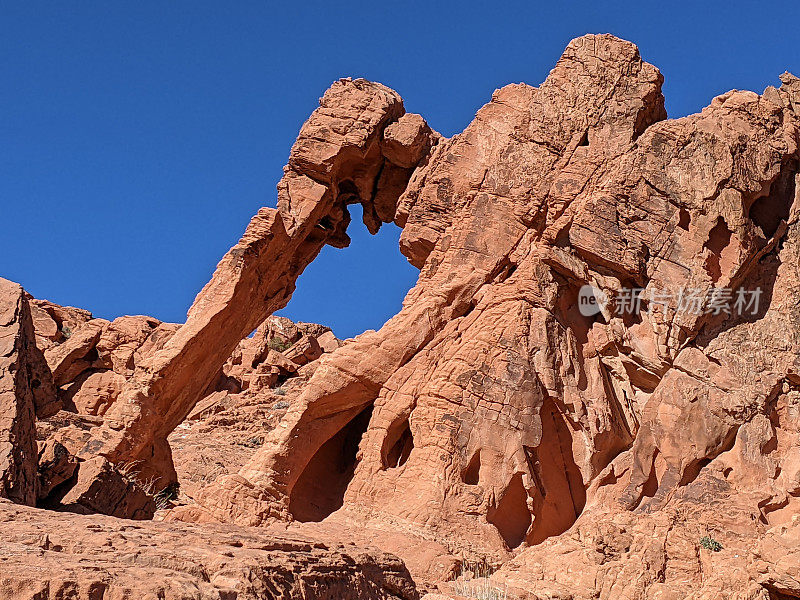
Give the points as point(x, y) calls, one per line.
point(504, 271)
point(718, 239)
point(511, 516)
point(650, 487)
point(769, 210)
point(775, 594)
point(326, 223)
point(471, 475)
point(397, 446)
point(684, 219)
point(581, 306)
point(319, 491)
point(348, 192)
point(562, 493)
point(692, 471)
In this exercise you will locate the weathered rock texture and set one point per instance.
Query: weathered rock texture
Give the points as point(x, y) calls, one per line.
point(337, 160)
point(489, 412)
point(19, 360)
point(91, 557)
point(265, 374)
point(95, 358)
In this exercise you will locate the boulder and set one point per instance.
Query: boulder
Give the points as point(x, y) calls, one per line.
point(56, 465)
point(407, 141)
point(93, 392)
point(77, 353)
point(304, 350)
point(102, 488)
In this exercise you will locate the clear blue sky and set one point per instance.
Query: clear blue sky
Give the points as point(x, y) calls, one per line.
point(138, 138)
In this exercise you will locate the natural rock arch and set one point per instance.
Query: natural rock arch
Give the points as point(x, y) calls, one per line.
point(579, 181)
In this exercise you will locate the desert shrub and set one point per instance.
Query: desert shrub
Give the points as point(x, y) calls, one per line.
point(278, 344)
point(165, 497)
point(251, 443)
point(710, 543)
point(473, 582)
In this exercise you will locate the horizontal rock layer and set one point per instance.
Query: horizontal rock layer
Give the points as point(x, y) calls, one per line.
point(46, 555)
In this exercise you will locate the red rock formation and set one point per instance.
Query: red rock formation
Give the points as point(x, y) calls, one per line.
point(626, 453)
point(486, 339)
point(336, 161)
point(490, 412)
point(257, 385)
point(18, 381)
point(46, 555)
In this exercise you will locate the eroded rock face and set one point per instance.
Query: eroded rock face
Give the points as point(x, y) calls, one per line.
point(18, 381)
point(489, 340)
point(258, 384)
point(337, 160)
point(492, 415)
point(47, 556)
point(490, 412)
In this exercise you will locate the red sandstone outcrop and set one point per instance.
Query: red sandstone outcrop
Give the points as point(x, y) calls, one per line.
point(489, 412)
point(257, 385)
point(18, 381)
point(643, 452)
point(46, 555)
point(336, 161)
point(93, 362)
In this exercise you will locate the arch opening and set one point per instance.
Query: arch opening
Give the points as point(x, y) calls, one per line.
point(398, 446)
point(357, 289)
point(719, 238)
point(471, 475)
point(769, 210)
point(561, 492)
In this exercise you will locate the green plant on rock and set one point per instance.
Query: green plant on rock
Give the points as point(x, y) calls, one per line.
point(278, 344)
point(709, 543)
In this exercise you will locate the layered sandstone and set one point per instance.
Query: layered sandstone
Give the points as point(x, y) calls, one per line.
point(45, 555)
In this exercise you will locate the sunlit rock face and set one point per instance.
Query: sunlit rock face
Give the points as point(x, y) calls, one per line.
point(20, 363)
point(597, 369)
point(491, 411)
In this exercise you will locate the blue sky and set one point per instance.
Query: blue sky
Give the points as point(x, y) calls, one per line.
point(138, 138)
